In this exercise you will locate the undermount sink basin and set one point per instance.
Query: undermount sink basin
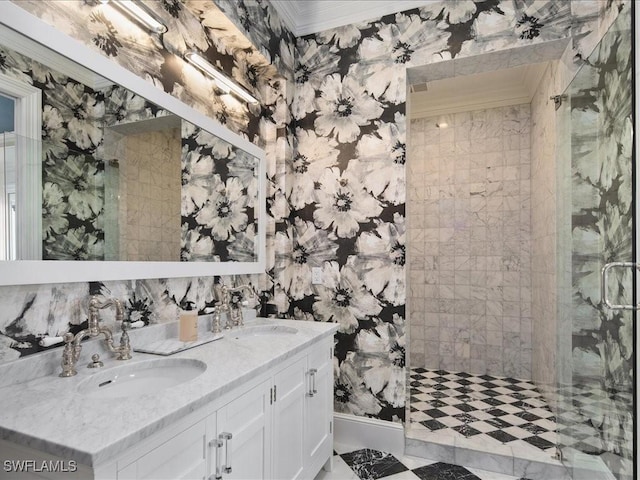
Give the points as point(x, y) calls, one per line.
point(142, 377)
point(263, 330)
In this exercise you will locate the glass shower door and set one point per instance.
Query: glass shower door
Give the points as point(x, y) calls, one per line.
point(595, 409)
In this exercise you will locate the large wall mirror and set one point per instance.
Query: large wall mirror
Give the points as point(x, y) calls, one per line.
point(106, 177)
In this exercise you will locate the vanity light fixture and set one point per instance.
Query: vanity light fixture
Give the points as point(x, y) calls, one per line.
point(225, 83)
point(140, 13)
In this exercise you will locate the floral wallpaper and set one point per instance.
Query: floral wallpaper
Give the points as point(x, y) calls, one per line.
point(348, 187)
point(333, 123)
point(219, 194)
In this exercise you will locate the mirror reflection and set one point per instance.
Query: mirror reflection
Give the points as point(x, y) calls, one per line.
point(114, 177)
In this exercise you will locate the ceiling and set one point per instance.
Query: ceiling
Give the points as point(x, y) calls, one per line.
point(463, 93)
point(310, 16)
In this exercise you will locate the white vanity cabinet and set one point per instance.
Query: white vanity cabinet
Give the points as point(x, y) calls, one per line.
point(241, 448)
point(278, 429)
point(276, 424)
point(318, 418)
point(181, 456)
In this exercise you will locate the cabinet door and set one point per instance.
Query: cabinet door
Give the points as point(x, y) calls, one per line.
point(181, 457)
point(244, 428)
point(319, 406)
point(288, 421)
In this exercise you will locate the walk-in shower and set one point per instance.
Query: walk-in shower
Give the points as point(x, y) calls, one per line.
point(513, 210)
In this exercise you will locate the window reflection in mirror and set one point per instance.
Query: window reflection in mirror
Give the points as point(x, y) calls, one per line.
point(7, 178)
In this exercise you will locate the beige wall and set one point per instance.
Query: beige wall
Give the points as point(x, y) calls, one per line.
point(470, 242)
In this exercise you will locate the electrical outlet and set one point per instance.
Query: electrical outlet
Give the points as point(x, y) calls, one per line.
point(316, 276)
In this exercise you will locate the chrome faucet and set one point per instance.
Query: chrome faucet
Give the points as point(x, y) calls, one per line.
point(233, 312)
point(72, 348)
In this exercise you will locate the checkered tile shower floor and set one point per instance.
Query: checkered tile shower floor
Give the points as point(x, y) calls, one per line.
point(488, 409)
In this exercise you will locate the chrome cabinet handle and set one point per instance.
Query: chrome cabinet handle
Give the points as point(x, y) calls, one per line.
point(604, 294)
point(226, 437)
point(312, 387)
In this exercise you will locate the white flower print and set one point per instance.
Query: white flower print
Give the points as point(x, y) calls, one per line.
point(75, 244)
point(53, 133)
point(219, 148)
point(312, 156)
point(382, 157)
point(458, 11)
point(78, 177)
point(184, 30)
point(343, 204)
point(344, 37)
point(197, 180)
point(382, 353)
point(305, 247)
point(54, 205)
point(343, 107)
point(14, 65)
point(196, 247)
point(244, 167)
point(247, 70)
point(278, 207)
point(382, 255)
point(280, 298)
point(315, 64)
point(287, 55)
point(243, 246)
point(221, 31)
point(351, 395)
point(405, 42)
point(225, 211)
point(123, 106)
point(343, 298)
point(85, 114)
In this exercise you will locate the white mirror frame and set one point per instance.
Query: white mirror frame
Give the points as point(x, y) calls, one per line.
point(26, 272)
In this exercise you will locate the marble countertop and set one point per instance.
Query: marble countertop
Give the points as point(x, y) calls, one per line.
point(48, 414)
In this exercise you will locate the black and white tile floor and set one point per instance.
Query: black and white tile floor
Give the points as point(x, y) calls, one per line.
point(367, 464)
point(487, 409)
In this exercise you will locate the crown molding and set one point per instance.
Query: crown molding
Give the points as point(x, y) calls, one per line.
point(304, 17)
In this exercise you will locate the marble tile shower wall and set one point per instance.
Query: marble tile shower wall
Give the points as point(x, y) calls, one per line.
point(469, 242)
point(150, 213)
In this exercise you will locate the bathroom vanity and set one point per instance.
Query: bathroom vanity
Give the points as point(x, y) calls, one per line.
point(256, 404)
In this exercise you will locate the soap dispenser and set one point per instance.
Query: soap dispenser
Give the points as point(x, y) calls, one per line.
point(188, 325)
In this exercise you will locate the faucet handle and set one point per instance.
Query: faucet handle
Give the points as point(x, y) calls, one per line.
point(69, 356)
point(124, 352)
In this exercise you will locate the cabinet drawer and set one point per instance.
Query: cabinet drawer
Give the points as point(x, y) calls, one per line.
point(181, 457)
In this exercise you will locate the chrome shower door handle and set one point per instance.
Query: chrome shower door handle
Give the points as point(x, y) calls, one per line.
point(604, 294)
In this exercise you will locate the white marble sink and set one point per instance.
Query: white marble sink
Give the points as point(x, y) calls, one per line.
point(263, 330)
point(142, 377)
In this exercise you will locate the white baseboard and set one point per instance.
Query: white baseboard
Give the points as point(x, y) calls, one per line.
point(364, 432)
